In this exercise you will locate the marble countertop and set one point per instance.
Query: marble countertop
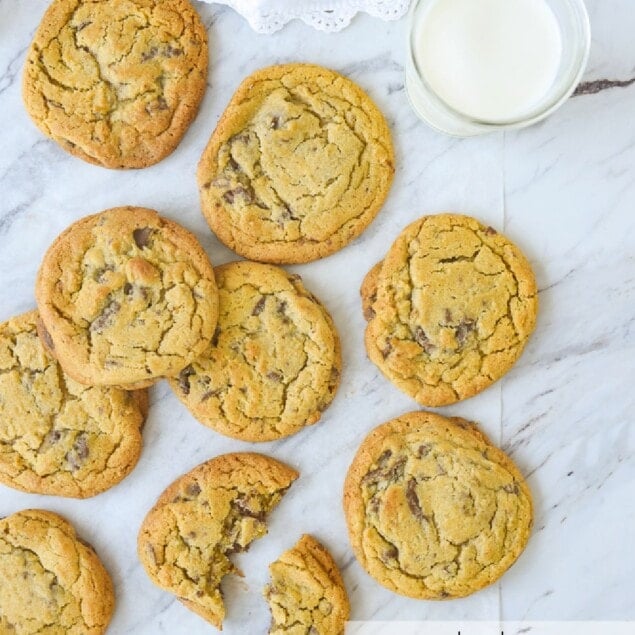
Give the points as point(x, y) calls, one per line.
point(564, 190)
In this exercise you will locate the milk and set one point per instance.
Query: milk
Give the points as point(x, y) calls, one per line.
point(491, 60)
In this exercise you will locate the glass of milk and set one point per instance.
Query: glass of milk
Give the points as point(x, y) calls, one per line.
point(475, 66)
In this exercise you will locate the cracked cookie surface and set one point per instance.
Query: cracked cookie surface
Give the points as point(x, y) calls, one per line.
point(57, 436)
point(211, 512)
point(116, 82)
point(51, 581)
point(298, 166)
point(434, 511)
point(307, 594)
point(127, 297)
point(274, 363)
point(449, 309)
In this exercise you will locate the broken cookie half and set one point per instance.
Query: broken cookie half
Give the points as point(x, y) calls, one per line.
point(206, 515)
point(306, 595)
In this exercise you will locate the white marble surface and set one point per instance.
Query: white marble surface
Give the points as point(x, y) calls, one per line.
point(564, 190)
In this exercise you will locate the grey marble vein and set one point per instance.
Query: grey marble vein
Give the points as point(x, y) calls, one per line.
point(598, 85)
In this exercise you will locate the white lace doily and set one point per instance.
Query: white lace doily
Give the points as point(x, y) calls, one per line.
point(267, 16)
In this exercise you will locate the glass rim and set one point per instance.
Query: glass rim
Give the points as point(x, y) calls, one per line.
point(583, 46)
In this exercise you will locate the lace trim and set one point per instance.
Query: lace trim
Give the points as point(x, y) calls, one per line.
point(267, 16)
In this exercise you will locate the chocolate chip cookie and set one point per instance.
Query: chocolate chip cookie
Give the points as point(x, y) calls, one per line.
point(434, 511)
point(51, 581)
point(274, 363)
point(126, 297)
point(116, 82)
point(298, 166)
point(215, 510)
point(307, 594)
point(57, 436)
point(450, 308)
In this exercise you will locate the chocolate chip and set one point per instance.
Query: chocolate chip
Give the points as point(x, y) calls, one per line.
point(383, 473)
point(81, 447)
point(423, 340)
point(386, 350)
point(424, 450)
point(193, 489)
point(275, 123)
point(413, 500)
point(511, 488)
point(241, 505)
point(142, 236)
point(260, 305)
point(105, 318)
point(243, 192)
point(149, 54)
point(392, 553)
point(100, 274)
point(184, 379)
point(490, 231)
point(464, 328)
point(127, 288)
point(78, 454)
point(282, 311)
point(171, 51)
point(216, 336)
point(51, 439)
point(274, 376)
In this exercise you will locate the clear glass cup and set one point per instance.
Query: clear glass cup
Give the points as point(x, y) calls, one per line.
point(575, 31)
